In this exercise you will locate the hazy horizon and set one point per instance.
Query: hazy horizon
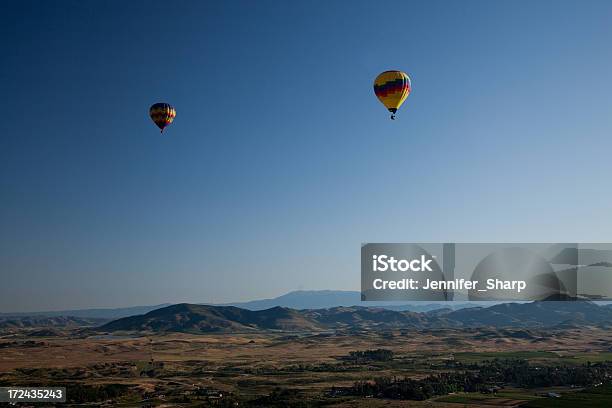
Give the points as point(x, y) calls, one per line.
point(281, 161)
point(172, 302)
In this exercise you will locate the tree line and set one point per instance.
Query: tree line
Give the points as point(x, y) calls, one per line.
point(481, 377)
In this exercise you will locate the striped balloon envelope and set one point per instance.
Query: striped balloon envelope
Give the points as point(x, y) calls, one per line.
point(162, 114)
point(392, 88)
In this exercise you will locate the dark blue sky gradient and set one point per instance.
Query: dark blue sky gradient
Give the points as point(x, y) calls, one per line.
point(281, 161)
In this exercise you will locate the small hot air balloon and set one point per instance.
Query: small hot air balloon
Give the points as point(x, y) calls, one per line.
point(392, 88)
point(162, 114)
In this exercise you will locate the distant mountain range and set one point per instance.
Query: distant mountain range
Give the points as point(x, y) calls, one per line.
point(304, 299)
point(317, 310)
point(313, 299)
point(325, 299)
point(44, 321)
point(206, 318)
point(107, 314)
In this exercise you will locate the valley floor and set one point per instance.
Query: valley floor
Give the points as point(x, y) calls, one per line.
point(263, 369)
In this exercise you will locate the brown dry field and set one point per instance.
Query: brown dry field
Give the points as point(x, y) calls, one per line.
point(279, 349)
point(253, 363)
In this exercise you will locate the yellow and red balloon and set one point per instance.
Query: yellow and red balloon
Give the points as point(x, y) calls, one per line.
point(392, 88)
point(162, 114)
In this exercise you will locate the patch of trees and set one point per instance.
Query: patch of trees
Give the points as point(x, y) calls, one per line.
point(407, 388)
point(80, 393)
point(522, 374)
point(481, 377)
point(371, 355)
point(283, 397)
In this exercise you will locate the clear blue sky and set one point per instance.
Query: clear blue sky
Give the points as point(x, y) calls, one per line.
point(281, 161)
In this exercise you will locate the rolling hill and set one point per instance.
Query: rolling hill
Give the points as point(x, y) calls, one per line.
point(43, 321)
point(205, 319)
point(100, 313)
point(533, 314)
point(186, 317)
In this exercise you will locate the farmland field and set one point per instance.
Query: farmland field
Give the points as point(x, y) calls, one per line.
point(318, 367)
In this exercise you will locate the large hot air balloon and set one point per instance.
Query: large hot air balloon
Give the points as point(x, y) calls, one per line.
point(162, 114)
point(392, 88)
